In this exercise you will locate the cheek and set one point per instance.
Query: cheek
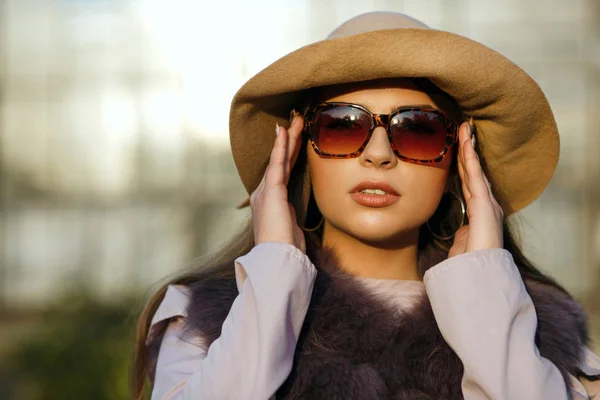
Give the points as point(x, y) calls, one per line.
point(425, 186)
point(326, 177)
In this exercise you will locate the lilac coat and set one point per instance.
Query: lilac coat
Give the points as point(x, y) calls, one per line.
point(478, 299)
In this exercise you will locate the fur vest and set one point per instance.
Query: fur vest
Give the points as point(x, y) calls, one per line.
point(354, 347)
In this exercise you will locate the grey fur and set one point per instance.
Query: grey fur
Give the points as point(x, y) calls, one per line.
point(354, 347)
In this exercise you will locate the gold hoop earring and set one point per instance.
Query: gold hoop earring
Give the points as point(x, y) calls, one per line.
point(445, 224)
point(316, 227)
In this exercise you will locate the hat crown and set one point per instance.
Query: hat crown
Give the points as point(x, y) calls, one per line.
point(375, 21)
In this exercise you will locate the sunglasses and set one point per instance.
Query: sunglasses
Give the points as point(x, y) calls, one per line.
point(416, 135)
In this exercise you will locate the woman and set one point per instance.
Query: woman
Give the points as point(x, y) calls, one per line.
point(404, 281)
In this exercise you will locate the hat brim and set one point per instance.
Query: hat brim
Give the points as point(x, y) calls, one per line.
point(517, 134)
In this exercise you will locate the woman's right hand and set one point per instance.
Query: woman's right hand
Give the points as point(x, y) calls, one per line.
point(273, 217)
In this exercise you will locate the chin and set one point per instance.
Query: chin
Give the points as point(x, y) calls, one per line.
point(378, 226)
point(383, 232)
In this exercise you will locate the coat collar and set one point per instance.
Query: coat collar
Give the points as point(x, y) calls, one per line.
point(355, 346)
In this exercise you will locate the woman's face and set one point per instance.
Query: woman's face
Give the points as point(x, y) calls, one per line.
point(419, 187)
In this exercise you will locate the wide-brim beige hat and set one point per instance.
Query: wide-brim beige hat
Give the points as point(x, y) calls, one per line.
point(517, 136)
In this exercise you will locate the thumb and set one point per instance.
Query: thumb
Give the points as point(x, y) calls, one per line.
point(292, 213)
point(461, 232)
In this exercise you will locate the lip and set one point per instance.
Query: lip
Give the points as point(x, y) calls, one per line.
point(374, 200)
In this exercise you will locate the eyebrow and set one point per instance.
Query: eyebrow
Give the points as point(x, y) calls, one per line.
point(394, 108)
point(423, 105)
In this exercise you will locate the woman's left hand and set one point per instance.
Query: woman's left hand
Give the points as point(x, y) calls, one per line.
point(486, 217)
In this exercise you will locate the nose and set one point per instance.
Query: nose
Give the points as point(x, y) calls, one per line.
point(378, 152)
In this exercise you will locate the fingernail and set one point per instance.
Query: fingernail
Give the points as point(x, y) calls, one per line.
point(292, 116)
point(276, 129)
point(470, 130)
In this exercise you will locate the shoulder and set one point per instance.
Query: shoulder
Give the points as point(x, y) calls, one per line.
point(168, 342)
point(172, 307)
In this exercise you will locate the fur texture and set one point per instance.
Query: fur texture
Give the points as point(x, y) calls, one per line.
point(354, 347)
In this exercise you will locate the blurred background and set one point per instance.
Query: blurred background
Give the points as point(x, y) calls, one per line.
point(115, 169)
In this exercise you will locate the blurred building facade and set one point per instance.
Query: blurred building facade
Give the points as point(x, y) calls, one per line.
point(115, 168)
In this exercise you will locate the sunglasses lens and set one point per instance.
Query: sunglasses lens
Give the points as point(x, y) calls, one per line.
point(341, 130)
point(419, 134)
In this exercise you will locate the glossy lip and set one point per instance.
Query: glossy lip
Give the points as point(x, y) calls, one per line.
point(374, 200)
point(386, 187)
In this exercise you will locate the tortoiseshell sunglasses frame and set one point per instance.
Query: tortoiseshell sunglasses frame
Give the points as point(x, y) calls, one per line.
point(379, 120)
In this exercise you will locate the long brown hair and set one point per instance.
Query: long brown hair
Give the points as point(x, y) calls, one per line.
point(221, 263)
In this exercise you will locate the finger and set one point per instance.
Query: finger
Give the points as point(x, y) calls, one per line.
point(462, 133)
point(295, 132)
point(491, 192)
point(275, 169)
point(463, 180)
point(293, 148)
point(286, 158)
point(462, 137)
point(292, 213)
point(256, 192)
point(472, 168)
point(488, 184)
point(492, 197)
